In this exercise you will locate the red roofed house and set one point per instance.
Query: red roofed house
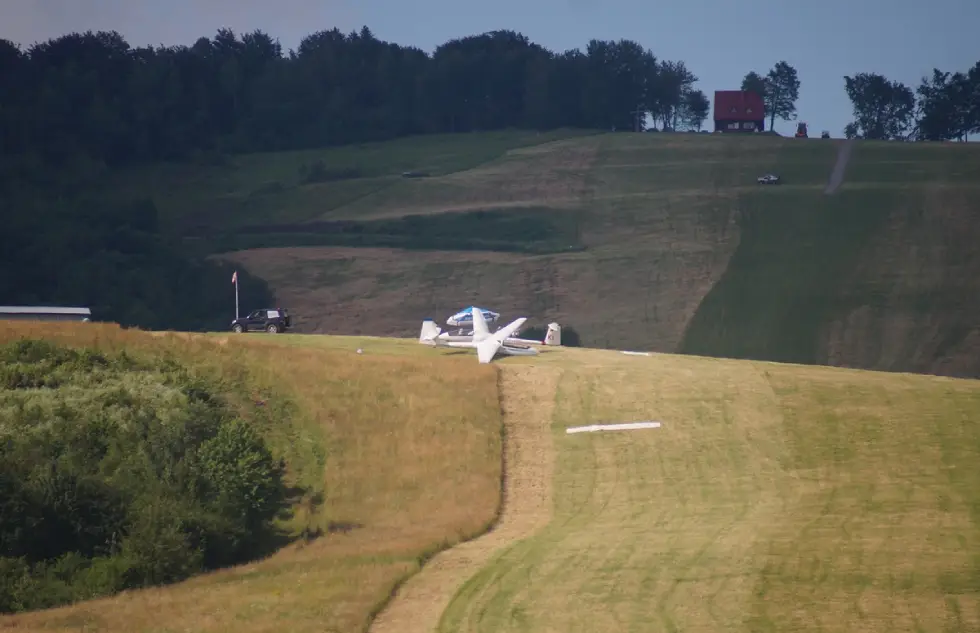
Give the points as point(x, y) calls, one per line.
point(739, 111)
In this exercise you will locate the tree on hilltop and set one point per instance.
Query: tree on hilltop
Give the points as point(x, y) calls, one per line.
point(754, 82)
point(779, 89)
point(782, 92)
point(666, 100)
point(883, 109)
point(694, 109)
point(948, 105)
point(92, 96)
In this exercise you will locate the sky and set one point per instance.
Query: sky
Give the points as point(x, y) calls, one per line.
point(719, 40)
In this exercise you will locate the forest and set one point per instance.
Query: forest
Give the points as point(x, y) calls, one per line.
point(93, 95)
point(75, 106)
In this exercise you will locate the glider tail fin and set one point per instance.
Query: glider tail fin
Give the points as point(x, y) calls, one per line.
point(553, 336)
point(480, 329)
point(429, 332)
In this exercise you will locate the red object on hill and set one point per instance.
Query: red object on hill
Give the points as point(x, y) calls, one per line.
point(739, 111)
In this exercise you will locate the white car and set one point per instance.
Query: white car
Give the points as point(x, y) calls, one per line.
point(768, 179)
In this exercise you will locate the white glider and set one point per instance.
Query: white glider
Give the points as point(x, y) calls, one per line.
point(487, 345)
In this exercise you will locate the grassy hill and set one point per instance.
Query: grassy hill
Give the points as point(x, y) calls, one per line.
point(392, 457)
point(882, 274)
point(646, 241)
point(774, 496)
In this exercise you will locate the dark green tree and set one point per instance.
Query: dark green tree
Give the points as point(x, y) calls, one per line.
point(672, 81)
point(883, 109)
point(948, 105)
point(754, 82)
point(782, 86)
point(694, 109)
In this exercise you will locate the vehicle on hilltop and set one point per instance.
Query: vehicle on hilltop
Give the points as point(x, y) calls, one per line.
point(271, 320)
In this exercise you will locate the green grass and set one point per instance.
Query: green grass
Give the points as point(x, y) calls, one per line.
point(529, 230)
point(400, 453)
point(783, 282)
point(269, 187)
point(708, 164)
point(914, 164)
point(807, 262)
point(677, 249)
point(649, 241)
point(774, 498)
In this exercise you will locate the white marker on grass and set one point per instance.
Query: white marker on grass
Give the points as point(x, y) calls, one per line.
point(592, 428)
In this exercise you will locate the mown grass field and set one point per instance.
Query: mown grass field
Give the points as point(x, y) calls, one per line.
point(874, 276)
point(279, 187)
point(773, 498)
point(668, 237)
point(651, 221)
point(400, 453)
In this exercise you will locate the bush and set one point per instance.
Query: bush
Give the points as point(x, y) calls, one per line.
point(241, 476)
point(117, 473)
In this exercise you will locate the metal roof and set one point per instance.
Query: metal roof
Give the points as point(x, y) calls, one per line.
point(43, 310)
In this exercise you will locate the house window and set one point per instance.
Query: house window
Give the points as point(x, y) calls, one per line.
point(733, 126)
point(733, 110)
point(748, 126)
point(748, 110)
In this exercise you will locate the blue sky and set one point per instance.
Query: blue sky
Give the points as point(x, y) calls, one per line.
point(720, 41)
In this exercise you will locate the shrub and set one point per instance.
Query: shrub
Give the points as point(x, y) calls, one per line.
point(117, 473)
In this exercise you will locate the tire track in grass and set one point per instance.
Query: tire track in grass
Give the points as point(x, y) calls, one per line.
point(527, 399)
point(601, 564)
point(840, 167)
point(491, 599)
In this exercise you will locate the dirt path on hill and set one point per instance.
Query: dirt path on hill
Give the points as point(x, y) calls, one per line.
point(840, 167)
point(527, 398)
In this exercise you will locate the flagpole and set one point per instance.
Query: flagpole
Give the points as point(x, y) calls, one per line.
point(235, 278)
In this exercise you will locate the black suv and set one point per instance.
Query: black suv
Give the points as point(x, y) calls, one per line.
point(272, 320)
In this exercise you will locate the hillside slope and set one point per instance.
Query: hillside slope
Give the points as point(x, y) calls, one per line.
point(773, 498)
point(396, 455)
point(651, 241)
point(648, 226)
point(881, 275)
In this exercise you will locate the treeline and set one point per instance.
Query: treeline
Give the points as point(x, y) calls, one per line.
point(114, 258)
point(945, 106)
point(77, 105)
point(93, 94)
point(117, 473)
